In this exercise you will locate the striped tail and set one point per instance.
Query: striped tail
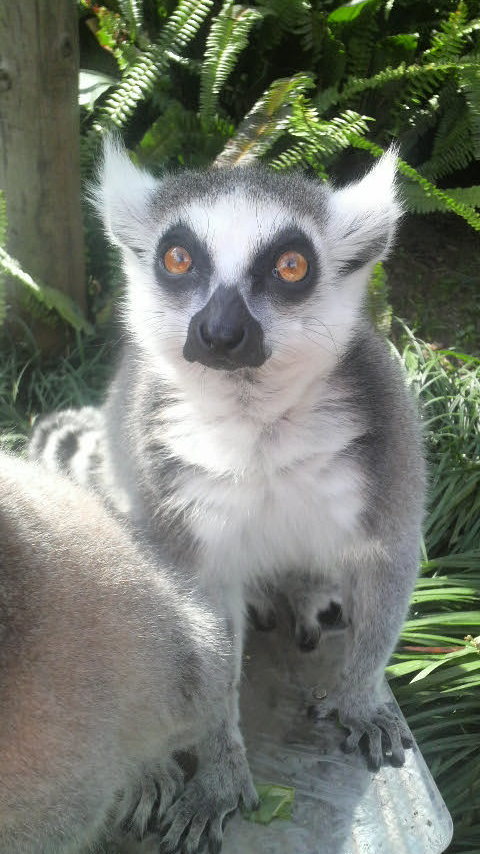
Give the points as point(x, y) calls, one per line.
point(71, 442)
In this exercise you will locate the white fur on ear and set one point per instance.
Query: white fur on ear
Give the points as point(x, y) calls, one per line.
point(362, 217)
point(121, 194)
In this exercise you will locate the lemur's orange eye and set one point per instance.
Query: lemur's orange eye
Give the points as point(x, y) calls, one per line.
point(177, 260)
point(291, 267)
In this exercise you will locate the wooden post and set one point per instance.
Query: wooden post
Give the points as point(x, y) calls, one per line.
point(39, 141)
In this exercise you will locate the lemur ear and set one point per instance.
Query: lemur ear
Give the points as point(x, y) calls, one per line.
point(122, 194)
point(362, 216)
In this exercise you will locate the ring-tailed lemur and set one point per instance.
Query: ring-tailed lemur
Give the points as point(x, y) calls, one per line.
point(106, 667)
point(258, 430)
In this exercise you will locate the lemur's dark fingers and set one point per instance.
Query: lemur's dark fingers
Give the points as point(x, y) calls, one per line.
point(194, 833)
point(215, 836)
point(367, 736)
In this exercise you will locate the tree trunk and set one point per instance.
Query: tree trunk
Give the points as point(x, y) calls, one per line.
point(39, 141)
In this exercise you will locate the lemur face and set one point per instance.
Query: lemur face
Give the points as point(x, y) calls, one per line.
point(235, 267)
point(244, 268)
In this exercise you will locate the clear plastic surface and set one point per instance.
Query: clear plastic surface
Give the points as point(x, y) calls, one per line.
point(340, 807)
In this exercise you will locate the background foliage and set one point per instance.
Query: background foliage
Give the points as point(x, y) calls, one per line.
point(305, 83)
point(325, 87)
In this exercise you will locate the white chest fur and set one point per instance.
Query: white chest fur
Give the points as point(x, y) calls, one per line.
point(268, 494)
point(302, 518)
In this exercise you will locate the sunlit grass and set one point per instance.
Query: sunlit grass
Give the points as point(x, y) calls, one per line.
point(28, 387)
point(435, 672)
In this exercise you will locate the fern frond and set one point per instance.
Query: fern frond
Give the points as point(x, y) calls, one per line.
point(132, 12)
point(458, 207)
point(298, 18)
point(448, 46)
point(451, 205)
point(452, 149)
point(49, 297)
point(227, 38)
point(298, 156)
point(115, 34)
point(292, 16)
point(336, 131)
point(265, 122)
point(466, 195)
point(449, 43)
point(193, 65)
point(470, 84)
point(361, 44)
point(418, 202)
point(431, 76)
point(140, 79)
point(413, 124)
point(473, 26)
point(321, 140)
point(415, 116)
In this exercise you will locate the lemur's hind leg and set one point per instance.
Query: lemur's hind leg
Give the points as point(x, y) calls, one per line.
point(315, 604)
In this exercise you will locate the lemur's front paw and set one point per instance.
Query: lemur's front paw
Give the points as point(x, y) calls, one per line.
point(158, 788)
point(198, 815)
point(383, 736)
point(380, 733)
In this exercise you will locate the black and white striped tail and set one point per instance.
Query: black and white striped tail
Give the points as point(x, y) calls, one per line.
point(70, 442)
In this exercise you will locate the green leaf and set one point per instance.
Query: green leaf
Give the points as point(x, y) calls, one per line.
point(50, 297)
point(92, 84)
point(434, 665)
point(455, 618)
point(348, 13)
point(403, 668)
point(407, 41)
point(275, 802)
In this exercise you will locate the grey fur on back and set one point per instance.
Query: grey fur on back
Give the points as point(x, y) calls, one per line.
point(105, 669)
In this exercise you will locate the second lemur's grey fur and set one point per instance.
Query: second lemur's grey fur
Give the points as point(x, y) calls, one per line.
point(106, 668)
point(258, 431)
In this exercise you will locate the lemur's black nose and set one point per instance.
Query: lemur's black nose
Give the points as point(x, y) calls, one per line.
point(224, 334)
point(222, 337)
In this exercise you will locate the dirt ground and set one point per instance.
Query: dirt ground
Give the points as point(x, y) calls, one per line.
point(434, 280)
